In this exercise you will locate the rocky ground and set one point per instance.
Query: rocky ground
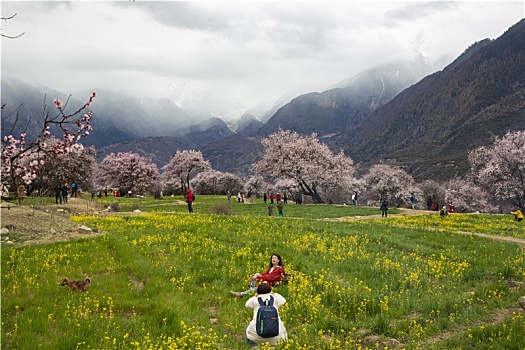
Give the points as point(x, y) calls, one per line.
point(40, 225)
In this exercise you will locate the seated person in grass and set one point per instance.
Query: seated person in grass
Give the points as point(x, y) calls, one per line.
point(264, 291)
point(274, 274)
point(443, 212)
point(518, 216)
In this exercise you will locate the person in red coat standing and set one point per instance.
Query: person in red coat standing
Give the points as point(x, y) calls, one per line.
point(189, 199)
point(274, 273)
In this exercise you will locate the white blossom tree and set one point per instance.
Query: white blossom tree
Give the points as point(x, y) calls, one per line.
point(77, 165)
point(287, 186)
point(255, 185)
point(216, 182)
point(384, 182)
point(183, 166)
point(466, 196)
point(311, 164)
point(500, 168)
point(434, 190)
point(128, 172)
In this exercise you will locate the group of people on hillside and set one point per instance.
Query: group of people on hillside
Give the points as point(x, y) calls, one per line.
point(277, 197)
point(431, 205)
point(62, 192)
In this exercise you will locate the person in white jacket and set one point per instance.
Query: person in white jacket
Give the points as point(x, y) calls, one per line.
point(264, 291)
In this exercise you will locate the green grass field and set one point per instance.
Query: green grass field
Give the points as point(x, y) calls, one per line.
point(161, 280)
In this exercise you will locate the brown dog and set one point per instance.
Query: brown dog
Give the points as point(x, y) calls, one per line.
point(76, 285)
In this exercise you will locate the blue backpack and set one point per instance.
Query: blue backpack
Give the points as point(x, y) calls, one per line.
point(267, 323)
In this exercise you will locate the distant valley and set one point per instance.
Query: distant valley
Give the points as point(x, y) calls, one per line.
point(403, 113)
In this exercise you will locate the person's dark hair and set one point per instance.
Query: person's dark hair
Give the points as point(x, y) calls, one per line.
point(280, 263)
point(264, 288)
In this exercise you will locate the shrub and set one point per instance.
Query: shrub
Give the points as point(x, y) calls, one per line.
point(115, 206)
point(221, 209)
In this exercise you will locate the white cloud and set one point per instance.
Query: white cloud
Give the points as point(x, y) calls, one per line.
point(244, 51)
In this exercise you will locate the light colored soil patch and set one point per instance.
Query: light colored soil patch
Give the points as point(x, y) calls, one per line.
point(30, 226)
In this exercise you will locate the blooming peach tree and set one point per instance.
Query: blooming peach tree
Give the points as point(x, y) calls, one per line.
point(434, 190)
point(317, 171)
point(287, 186)
point(500, 168)
point(77, 165)
point(129, 171)
point(216, 182)
point(183, 166)
point(255, 185)
point(384, 182)
point(22, 158)
point(466, 196)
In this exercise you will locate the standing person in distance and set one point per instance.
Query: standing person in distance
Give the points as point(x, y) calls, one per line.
point(354, 199)
point(74, 188)
point(429, 203)
point(65, 191)
point(280, 207)
point(384, 209)
point(58, 194)
point(413, 200)
point(190, 197)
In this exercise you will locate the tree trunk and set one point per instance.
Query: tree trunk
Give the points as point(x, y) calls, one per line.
point(307, 191)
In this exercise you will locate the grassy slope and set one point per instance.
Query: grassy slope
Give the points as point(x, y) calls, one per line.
point(164, 280)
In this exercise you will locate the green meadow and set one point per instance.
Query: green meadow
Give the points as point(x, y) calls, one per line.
point(161, 279)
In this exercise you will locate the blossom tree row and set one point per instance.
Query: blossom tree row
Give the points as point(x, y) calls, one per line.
point(291, 163)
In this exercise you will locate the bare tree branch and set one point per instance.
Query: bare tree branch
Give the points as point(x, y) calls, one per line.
point(9, 36)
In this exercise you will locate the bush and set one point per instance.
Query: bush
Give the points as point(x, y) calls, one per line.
point(221, 209)
point(115, 206)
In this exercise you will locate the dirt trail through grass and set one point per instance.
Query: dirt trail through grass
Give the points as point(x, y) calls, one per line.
point(409, 212)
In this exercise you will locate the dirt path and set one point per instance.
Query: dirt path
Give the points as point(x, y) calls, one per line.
point(410, 212)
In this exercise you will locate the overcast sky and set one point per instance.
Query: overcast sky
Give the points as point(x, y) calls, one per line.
point(243, 51)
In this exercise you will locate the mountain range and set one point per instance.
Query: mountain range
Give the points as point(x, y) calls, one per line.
point(405, 113)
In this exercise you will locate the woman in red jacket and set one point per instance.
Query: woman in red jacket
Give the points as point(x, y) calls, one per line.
point(190, 197)
point(274, 274)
